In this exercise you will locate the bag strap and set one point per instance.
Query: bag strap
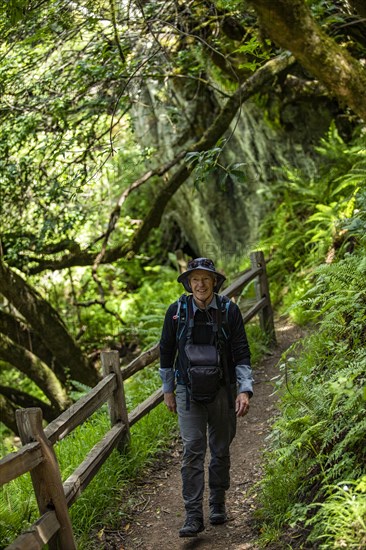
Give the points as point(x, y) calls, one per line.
point(225, 304)
point(184, 316)
point(181, 315)
point(223, 355)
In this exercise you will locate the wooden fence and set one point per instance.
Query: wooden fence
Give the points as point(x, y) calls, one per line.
point(37, 455)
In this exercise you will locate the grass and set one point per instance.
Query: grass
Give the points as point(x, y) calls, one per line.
point(316, 446)
point(102, 502)
point(342, 516)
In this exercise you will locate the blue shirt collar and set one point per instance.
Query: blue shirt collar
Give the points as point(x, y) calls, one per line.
point(212, 304)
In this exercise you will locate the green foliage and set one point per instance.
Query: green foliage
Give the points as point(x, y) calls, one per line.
point(315, 238)
point(144, 311)
point(64, 101)
point(338, 298)
point(52, 104)
point(102, 501)
point(341, 21)
point(256, 52)
point(71, 74)
point(206, 163)
point(258, 342)
point(342, 517)
point(18, 508)
point(309, 214)
point(355, 226)
point(318, 441)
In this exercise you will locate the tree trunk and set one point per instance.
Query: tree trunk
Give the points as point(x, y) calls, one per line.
point(7, 414)
point(20, 399)
point(47, 324)
point(22, 335)
point(290, 24)
point(36, 370)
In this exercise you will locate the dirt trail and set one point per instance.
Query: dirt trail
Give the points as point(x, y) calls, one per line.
point(159, 512)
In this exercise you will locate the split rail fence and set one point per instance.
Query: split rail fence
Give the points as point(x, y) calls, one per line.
point(37, 455)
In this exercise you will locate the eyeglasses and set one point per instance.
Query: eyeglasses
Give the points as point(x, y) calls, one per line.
point(201, 262)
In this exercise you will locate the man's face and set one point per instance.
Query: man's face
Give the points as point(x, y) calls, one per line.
point(202, 284)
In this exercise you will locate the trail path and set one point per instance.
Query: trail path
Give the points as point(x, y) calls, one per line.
point(158, 511)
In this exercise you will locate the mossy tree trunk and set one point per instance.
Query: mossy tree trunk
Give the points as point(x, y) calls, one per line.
point(36, 370)
point(55, 356)
point(290, 24)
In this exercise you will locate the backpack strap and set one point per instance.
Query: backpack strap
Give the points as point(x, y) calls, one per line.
point(223, 321)
point(190, 319)
point(181, 316)
point(224, 304)
point(184, 316)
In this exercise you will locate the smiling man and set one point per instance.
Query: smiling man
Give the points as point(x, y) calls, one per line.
point(207, 380)
point(202, 284)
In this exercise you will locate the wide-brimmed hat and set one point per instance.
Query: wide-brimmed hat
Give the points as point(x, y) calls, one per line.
point(201, 263)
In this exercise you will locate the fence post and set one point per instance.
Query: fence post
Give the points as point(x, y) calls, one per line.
point(262, 291)
point(117, 402)
point(46, 477)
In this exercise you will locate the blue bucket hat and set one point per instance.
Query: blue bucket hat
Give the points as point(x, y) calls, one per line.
point(201, 263)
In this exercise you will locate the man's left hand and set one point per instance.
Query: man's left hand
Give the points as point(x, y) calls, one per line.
point(242, 404)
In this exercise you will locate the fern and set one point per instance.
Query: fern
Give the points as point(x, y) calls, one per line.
point(329, 204)
point(342, 516)
point(320, 433)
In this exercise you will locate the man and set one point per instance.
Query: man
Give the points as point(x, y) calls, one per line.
point(216, 415)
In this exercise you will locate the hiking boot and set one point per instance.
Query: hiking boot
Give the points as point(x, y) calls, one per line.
point(218, 513)
point(192, 526)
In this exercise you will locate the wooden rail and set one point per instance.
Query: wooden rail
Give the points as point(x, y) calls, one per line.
point(37, 455)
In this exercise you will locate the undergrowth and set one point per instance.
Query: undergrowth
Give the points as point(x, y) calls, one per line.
point(101, 502)
point(313, 494)
point(309, 217)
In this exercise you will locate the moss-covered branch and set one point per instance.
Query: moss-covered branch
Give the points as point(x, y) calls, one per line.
point(48, 325)
point(24, 336)
point(36, 370)
point(291, 25)
point(256, 83)
point(19, 398)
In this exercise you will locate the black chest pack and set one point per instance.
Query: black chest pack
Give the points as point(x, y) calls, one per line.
point(207, 368)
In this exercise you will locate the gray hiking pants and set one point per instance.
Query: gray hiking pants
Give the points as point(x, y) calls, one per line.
point(218, 421)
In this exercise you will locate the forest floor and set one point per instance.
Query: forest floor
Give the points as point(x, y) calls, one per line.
point(158, 513)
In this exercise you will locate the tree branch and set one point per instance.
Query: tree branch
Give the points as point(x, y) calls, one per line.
point(47, 324)
point(261, 78)
point(24, 400)
point(291, 25)
point(25, 337)
point(220, 125)
point(7, 414)
point(36, 370)
point(160, 171)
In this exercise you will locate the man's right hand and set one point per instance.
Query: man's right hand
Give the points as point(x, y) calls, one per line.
point(170, 402)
